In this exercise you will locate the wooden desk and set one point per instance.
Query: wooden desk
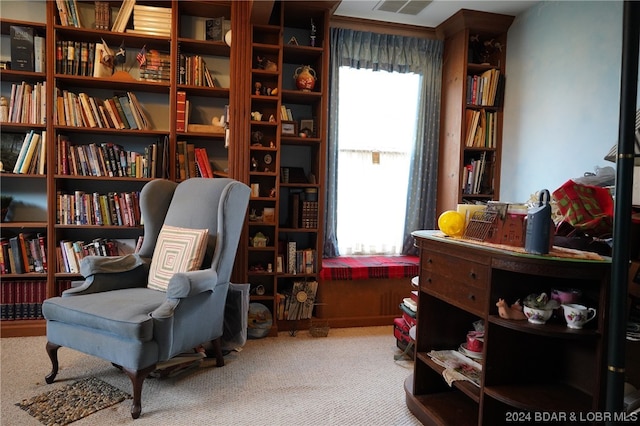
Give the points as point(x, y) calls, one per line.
point(527, 368)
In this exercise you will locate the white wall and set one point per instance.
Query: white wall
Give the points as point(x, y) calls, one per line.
point(562, 94)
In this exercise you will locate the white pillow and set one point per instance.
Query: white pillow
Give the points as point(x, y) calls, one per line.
point(177, 250)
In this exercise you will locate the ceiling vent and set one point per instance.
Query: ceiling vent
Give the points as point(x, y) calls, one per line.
point(407, 7)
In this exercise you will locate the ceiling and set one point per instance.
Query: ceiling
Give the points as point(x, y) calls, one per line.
point(435, 12)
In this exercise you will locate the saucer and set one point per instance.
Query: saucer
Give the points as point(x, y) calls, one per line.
point(469, 353)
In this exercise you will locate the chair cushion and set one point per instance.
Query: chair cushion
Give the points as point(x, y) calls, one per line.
point(177, 250)
point(124, 313)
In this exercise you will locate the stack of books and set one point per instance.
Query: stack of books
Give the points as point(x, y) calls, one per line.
point(402, 325)
point(157, 67)
point(151, 20)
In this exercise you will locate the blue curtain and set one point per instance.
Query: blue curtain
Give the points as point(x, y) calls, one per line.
point(358, 49)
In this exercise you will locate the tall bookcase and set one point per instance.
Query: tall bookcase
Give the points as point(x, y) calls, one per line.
point(257, 30)
point(286, 158)
point(466, 56)
point(28, 216)
point(48, 196)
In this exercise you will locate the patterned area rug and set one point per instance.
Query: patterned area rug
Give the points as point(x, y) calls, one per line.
point(72, 402)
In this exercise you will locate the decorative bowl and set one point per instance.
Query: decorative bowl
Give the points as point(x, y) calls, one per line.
point(537, 316)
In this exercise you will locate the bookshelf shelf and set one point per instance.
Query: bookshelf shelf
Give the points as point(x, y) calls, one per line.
point(22, 224)
point(113, 84)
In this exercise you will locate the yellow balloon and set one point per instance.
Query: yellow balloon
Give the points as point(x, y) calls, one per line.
point(451, 223)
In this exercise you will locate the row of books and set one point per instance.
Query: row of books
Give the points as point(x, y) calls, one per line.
point(68, 13)
point(484, 89)
point(194, 71)
point(69, 254)
point(82, 58)
point(293, 306)
point(28, 49)
point(304, 214)
point(473, 176)
point(151, 20)
point(192, 161)
point(102, 15)
point(23, 253)
point(285, 113)
point(111, 209)
point(22, 300)
point(122, 111)
point(32, 156)
point(111, 160)
point(122, 18)
point(481, 128)
point(302, 261)
point(27, 104)
point(156, 66)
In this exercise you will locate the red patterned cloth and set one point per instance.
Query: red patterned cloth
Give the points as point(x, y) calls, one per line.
point(587, 208)
point(365, 267)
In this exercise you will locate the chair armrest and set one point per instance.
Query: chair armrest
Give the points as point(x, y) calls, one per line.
point(187, 284)
point(183, 285)
point(111, 273)
point(90, 265)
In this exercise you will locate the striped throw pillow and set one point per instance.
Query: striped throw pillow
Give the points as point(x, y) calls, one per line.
point(177, 250)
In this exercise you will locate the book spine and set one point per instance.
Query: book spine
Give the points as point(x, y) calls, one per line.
point(39, 53)
point(126, 107)
point(181, 99)
point(17, 267)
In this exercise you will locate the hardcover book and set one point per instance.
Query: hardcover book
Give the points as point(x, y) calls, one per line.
point(22, 56)
point(213, 30)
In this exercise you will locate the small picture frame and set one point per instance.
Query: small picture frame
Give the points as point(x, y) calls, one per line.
point(289, 128)
point(308, 124)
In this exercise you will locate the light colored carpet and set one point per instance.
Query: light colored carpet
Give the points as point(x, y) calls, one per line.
point(347, 378)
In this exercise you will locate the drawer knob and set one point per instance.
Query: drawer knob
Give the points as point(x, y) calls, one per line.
point(429, 260)
point(429, 279)
point(471, 297)
point(472, 275)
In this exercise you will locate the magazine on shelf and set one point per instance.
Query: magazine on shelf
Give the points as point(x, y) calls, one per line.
point(454, 360)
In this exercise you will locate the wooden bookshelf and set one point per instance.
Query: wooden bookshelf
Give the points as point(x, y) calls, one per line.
point(466, 57)
point(256, 30)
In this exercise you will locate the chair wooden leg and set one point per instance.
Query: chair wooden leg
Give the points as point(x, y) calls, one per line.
point(52, 350)
point(137, 378)
point(217, 352)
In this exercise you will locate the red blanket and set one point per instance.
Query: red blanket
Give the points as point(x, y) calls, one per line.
point(365, 267)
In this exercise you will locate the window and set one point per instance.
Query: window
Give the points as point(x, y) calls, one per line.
point(376, 135)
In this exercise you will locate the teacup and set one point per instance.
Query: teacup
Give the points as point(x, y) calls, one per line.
point(566, 295)
point(475, 341)
point(577, 315)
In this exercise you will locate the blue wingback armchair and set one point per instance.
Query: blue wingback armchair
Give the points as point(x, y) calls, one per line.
point(115, 316)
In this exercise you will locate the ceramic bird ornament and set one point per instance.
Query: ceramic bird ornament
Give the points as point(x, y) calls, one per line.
point(513, 312)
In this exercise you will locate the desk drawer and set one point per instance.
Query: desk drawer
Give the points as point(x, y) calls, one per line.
point(470, 273)
point(463, 282)
point(472, 298)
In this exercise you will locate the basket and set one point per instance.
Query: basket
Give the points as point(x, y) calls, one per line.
point(480, 225)
point(319, 328)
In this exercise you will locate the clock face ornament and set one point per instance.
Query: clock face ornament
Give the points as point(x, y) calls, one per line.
point(268, 159)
